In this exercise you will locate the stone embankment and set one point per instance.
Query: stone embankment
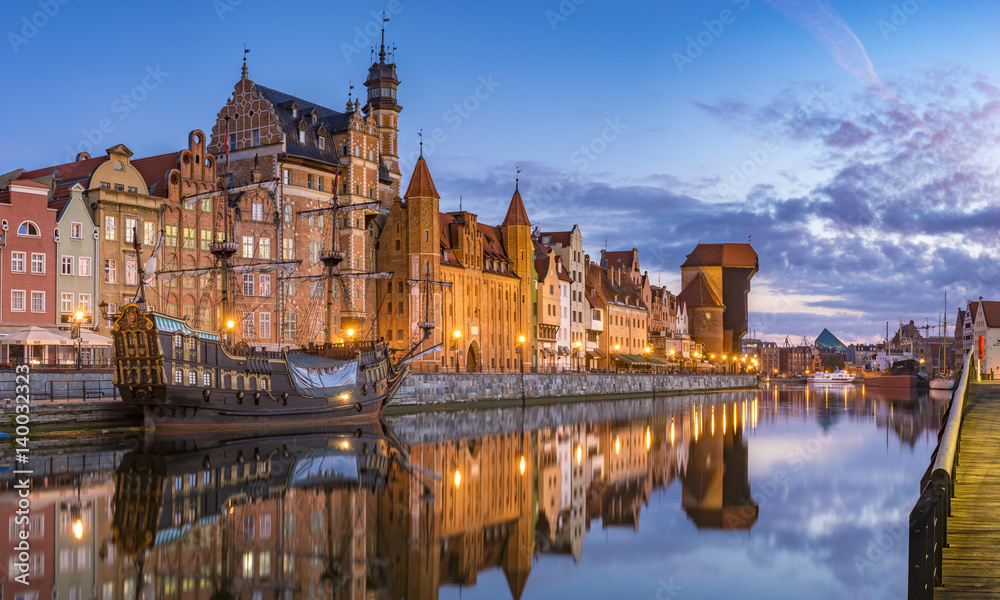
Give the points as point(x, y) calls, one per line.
point(428, 389)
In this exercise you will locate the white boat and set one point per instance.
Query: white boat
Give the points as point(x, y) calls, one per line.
point(942, 383)
point(837, 376)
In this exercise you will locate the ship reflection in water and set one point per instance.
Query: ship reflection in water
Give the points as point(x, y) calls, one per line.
point(421, 508)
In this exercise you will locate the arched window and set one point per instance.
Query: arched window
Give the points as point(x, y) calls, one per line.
point(192, 377)
point(28, 228)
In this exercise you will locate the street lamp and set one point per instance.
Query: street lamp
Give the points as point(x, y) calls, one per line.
point(77, 322)
point(579, 354)
point(457, 335)
point(520, 352)
point(614, 356)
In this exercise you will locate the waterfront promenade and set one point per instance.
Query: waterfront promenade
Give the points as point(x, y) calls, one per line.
point(970, 561)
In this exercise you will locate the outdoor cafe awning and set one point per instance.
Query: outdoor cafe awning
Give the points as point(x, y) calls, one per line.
point(40, 336)
point(596, 354)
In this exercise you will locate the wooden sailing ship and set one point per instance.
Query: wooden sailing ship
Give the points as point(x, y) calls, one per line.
point(187, 376)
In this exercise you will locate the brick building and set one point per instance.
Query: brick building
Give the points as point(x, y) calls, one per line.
point(470, 281)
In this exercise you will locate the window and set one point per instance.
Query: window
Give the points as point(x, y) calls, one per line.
point(37, 301)
point(343, 186)
point(17, 262)
point(232, 141)
point(309, 181)
point(17, 300)
point(170, 236)
point(265, 561)
point(149, 233)
point(265, 325)
point(206, 205)
point(317, 289)
point(265, 530)
point(264, 281)
point(288, 250)
point(206, 238)
point(188, 233)
point(37, 263)
point(131, 272)
point(314, 248)
point(289, 288)
point(302, 136)
point(248, 284)
point(192, 377)
point(248, 246)
point(28, 228)
point(84, 303)
point(67, 265)
point(286, 177)
point(288, 325)
point(257, 211)
point(264, 248)
point(84, 270)
point(288, 213)
point(320, 187)
point(131, 225)
point(255, 137)
point(110, 276)
point(67, 302)
point(76, 231)
point(322, 145)
point(248, 329)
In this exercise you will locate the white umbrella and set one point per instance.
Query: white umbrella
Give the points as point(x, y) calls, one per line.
point(35, 336)
point(94, 339)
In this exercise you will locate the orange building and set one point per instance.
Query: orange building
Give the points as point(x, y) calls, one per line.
point(715, 285)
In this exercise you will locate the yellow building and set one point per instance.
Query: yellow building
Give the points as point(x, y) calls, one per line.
point(468, 284)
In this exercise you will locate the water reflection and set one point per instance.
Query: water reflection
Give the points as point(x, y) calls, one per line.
point(421, 506)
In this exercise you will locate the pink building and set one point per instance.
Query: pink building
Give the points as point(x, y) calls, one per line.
point(27, 265)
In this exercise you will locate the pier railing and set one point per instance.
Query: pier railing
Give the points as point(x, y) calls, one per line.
point(929, 517)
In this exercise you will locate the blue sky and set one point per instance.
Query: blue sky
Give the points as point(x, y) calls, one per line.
point(856, 142)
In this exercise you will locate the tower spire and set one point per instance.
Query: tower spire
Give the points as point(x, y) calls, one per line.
point(421, 134)
point(517, 177)
point(381, 54)
point(245, 52)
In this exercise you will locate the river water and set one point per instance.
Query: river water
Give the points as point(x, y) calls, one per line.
point(786, 492)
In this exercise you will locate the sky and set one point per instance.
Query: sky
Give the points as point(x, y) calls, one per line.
point(854, 144)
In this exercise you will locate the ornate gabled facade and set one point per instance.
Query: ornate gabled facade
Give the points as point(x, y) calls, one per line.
point(466, 281)
point(568, 245)
point(311, 157)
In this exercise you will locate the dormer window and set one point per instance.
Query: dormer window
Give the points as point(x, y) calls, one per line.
point(314, 119)
point(295, 110)
point(302, 136)
point(119, 166)
point(322, 143)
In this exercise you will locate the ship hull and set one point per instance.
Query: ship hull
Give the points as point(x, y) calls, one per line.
point(891, 381)
point(185, 378)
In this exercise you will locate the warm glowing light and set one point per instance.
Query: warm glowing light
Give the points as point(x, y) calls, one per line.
point(345, 396)
point(524, 465)
point(618, 445)
point(724, 357)
point(671, 431)
point(578, 343)
point(458, 478)
point(457, 334)
point(712, 356)
point(672, 352)
point(697, 355)
point(647, 349)
point(520, 339)
point(617, 347)
point(79, 318)
point(350, 333)
point(78, 528)
point(345, 444)
point(579, 453)
point(649, 438)
point(230, 324)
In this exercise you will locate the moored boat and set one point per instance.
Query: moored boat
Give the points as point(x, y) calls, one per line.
point(184, 376)
point(836, 377)
point(942, 383)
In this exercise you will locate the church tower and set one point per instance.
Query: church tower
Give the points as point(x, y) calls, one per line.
point(517, 243)
point(423, 249)
point(382, 84)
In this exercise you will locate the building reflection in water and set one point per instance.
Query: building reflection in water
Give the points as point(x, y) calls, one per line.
point(355, 513)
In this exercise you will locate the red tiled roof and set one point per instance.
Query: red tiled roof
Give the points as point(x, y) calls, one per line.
point(74, 171)
point(516, 215)
point(154, 171)
point(562, 273)
point(973, 311)
point(700, 293)
point(556, 237)
point(722, 255)
point(594, 297)
point(29, 183)
point(421, 184)
point(620, 258)
point(492, 242)
point(991, 312)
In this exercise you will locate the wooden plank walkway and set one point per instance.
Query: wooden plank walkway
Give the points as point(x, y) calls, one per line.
point(971, 560)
